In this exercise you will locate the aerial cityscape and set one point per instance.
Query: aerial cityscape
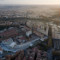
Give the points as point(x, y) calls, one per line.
point(29, 30)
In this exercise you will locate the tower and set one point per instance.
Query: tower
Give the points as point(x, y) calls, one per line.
point(49, 43)
point(50, 37)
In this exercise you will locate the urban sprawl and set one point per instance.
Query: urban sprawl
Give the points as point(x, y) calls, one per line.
point(29, 40)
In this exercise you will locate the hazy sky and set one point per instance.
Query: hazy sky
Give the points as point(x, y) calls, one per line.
point(30, 2)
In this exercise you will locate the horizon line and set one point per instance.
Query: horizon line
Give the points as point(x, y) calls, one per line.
point(26, 4)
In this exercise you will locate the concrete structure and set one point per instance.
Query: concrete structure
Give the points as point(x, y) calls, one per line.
point(28, 33)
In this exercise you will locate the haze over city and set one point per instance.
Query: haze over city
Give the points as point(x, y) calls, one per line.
point(29, 2)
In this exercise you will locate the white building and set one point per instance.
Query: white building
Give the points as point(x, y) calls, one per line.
point(28, 33)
